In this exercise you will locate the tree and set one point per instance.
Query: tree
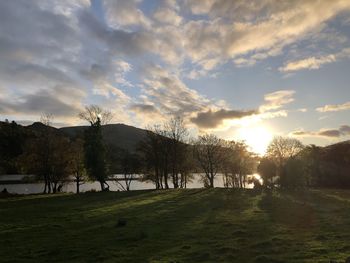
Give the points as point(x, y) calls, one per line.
point(154, 151)
point(280, 151)
point(311, 157)
point(47, 156)
point(238, 162)
point(77, 163)
point(60, 162)
point(267, 171)
point(293, 175)
point(94, 114)
point(130, 165)
point(177, 133)
point(12, 139)
point(208, 152)
point(95, 152)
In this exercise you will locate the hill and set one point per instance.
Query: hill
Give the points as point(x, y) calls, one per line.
point(118, 135)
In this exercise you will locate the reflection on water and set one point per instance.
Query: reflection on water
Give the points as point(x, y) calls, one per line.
point(88, 186)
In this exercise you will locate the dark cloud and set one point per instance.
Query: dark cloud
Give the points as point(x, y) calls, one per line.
point(343, 130)
point(329, 133)
point(213, 119)
point(144, 108)
point(120, 41)
point(39, 103)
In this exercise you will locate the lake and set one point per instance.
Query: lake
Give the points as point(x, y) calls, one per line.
point(33, 188)
point(70, 187)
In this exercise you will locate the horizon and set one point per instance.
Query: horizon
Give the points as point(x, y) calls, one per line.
point(145, 128)
point(241, 72)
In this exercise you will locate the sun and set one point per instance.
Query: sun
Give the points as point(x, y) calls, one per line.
point(256, 137)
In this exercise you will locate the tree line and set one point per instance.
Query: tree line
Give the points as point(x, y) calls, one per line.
point(167, 156)
point(289, 164)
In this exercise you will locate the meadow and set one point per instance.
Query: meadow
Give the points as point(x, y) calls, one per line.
point(197, 225)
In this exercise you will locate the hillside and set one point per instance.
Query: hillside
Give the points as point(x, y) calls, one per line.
point(118, 135)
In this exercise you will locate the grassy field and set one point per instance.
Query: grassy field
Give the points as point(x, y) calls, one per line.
point(199, 225)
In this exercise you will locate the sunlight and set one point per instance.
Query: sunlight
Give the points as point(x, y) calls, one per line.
point(258, 177)
point(258, 138)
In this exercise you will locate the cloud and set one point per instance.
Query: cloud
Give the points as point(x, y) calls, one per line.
point(314, 62)
point(213, 119)
point(41, 102)
point(255, 31)
point(168, 16)
point(334, 107)
point(308, 63)
point(271, 108)
point(166, 90)
point(134, 55)
point(343, 130)
point(125, 13)
point(277, 99)
point(144, 108)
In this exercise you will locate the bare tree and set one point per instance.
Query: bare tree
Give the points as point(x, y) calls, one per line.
point(154, 150)
point(93, 113)
point(208, 152)
point(238, 163)
point(176, 131)
point(46, 152)
point(77, 163)
point(46, 119)
point(130, 165)
point(281, 150)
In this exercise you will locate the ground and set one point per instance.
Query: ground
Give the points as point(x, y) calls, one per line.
point(199, 225)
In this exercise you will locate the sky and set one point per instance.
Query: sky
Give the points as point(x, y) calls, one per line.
point(243, 70)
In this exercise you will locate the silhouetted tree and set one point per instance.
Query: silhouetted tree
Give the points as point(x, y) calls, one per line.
point(77, 163)
point(154, 151)
point(130, 166)
point(267, 171)
point(12, 139)
point(293, 175)
point(280, 150)
point(311, 158)
point(60, 163)
point(209, 154)
point(177, 133)
point(47, 156)
point(238, 162)
point(95, 152)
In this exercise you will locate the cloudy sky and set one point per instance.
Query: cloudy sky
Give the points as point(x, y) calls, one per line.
point(240, 69)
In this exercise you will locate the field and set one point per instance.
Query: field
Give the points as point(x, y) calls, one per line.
point(199, 225)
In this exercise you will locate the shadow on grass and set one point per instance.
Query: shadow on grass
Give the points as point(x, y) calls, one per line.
point(194, 225)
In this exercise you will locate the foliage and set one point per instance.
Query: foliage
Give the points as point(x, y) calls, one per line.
point(208, 152)
point(95, 154)
point(12, 139)
point(267, 171)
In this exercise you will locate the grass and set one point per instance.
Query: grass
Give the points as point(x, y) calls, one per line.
point(199, 225)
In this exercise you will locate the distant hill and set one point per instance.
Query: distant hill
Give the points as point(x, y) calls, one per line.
point(118, 135)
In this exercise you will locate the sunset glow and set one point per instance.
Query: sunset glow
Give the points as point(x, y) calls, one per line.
point(257, 138)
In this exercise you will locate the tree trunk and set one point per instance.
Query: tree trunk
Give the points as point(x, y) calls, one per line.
point(102, 185)
point(211, 181)
point(54, 188)
point(48, 187)
point(166, 181)
point(78, 184)
point(45, 186)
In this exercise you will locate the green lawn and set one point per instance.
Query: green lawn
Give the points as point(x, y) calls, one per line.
point(199, 225)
